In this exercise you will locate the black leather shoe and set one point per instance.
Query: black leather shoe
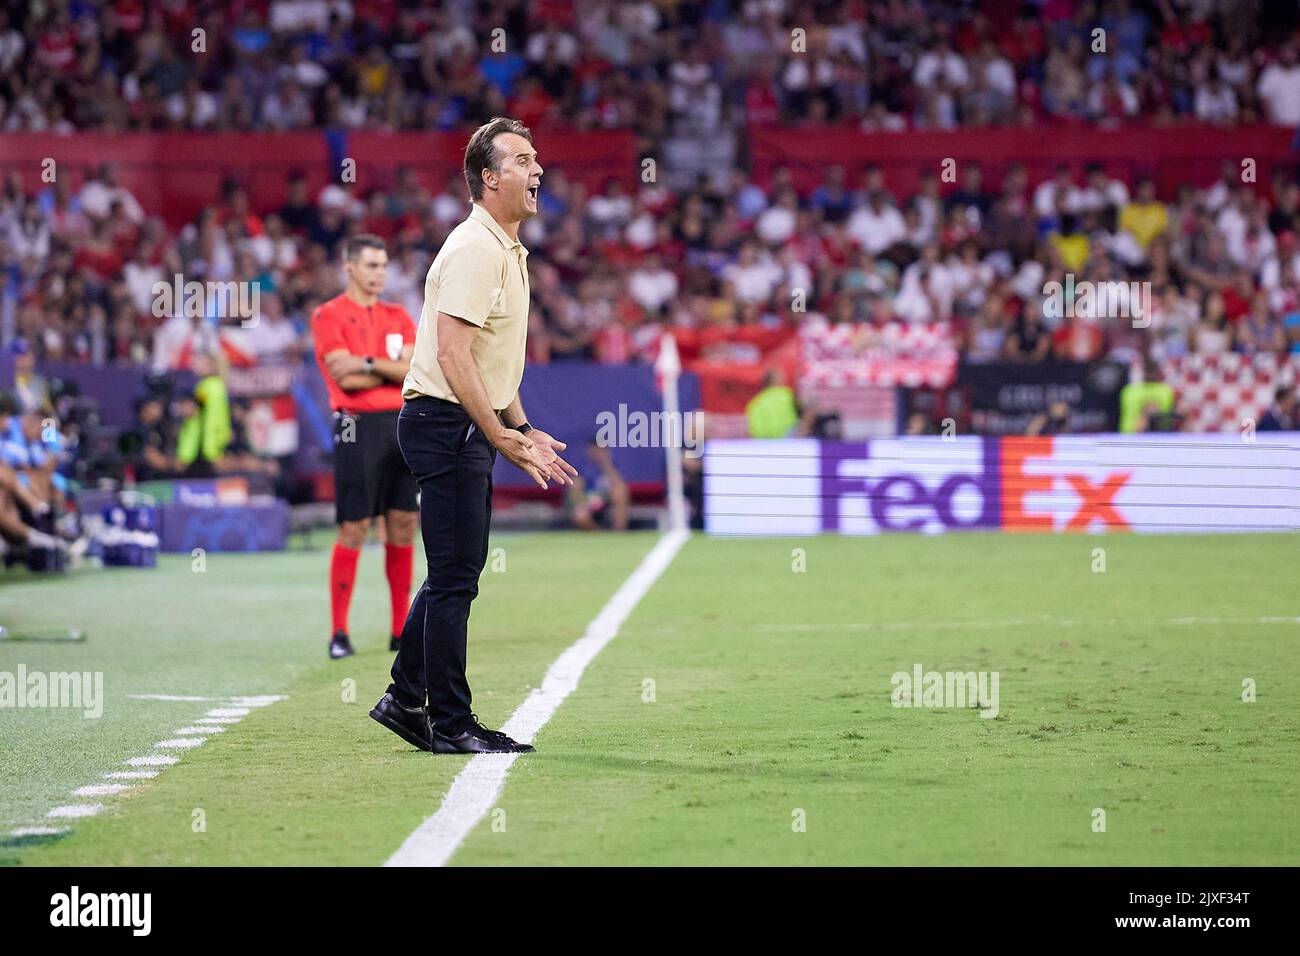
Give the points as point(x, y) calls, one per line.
point(340, 646)
point(394, 642)
point(474, 738)
point(409, 723)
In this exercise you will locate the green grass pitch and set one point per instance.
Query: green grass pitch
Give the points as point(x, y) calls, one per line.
point(743, 714)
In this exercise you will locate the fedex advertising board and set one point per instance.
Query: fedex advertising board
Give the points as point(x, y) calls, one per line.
point(1077, 483)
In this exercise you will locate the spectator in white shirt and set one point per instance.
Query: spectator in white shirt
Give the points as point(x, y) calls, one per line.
point(1221, 189)
point(753, 276)
point(303, 71)
point(1052, 192)
point(692, 90)
point(928, 205)
point(450, 204)
point(12, 44)
point(1099, 192)
point(847, 35)
point(274, 249)
point(140, 276)
point(999, 74)
point(971, 278)
point(98, 195)
point(1231, 221)
point(343, 198)
point(287, 108)
point(795, 274)
point(1254, 245)
point(926, 290)
point(651, 285)
point(554, 41)
point(272, 338)
point(406, 273)
point(29, 236)
point(299, 16)
point(193, 107)
point(941, 62)
point(1216, 103)
point(776, 224)
point(1279, 88)
point(877, 225)
point(642, 231)
point(611, 210)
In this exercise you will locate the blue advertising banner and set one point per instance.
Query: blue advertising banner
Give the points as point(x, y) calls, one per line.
point(259, 527)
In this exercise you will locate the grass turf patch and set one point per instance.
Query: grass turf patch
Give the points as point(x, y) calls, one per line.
point(1119, 691)
point(741, 698)
point(309, 780)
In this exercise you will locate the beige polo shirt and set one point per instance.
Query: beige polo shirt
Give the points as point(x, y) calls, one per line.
point(480, 275)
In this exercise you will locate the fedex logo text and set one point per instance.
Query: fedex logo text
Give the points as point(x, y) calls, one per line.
point(1038, 494)
point(983, 484)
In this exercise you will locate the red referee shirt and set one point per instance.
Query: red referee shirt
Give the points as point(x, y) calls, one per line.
point(380, 330)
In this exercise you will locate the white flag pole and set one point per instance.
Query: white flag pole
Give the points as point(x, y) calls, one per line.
point(669, 369)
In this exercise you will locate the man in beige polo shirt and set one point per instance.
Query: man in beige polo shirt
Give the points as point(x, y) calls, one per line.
point(462, 407)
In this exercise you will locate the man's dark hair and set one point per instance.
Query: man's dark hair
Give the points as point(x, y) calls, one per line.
point(362, 240)
point(481, 151)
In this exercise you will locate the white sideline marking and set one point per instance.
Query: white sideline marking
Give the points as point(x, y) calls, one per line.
point(240, 700)
point(38, 831)
point(186, 738)
point(153, 760)
point(100, 790)
point(476, 787)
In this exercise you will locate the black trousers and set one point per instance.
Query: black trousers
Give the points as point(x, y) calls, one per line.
point(452, 461)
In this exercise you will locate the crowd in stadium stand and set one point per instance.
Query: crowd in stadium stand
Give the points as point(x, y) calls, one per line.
point(386, 64)
point(612, 268)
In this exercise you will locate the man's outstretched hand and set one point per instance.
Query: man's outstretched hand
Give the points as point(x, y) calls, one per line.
point(560, 470)
point(536, 455)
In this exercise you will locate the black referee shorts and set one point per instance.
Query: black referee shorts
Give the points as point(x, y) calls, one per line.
point(370, 474)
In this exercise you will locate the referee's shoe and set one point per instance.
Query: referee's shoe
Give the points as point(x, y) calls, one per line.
point(340, 646)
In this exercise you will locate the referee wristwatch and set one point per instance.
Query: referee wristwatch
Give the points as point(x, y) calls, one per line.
point(369, 361)
point(523, 428)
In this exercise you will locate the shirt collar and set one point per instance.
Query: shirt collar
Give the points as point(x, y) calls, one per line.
point(480, 214)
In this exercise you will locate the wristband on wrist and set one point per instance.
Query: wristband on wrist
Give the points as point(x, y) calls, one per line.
point(370, 363)
point(523, 428)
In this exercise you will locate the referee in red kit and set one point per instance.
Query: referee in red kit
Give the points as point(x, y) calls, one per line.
point(364, 349)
